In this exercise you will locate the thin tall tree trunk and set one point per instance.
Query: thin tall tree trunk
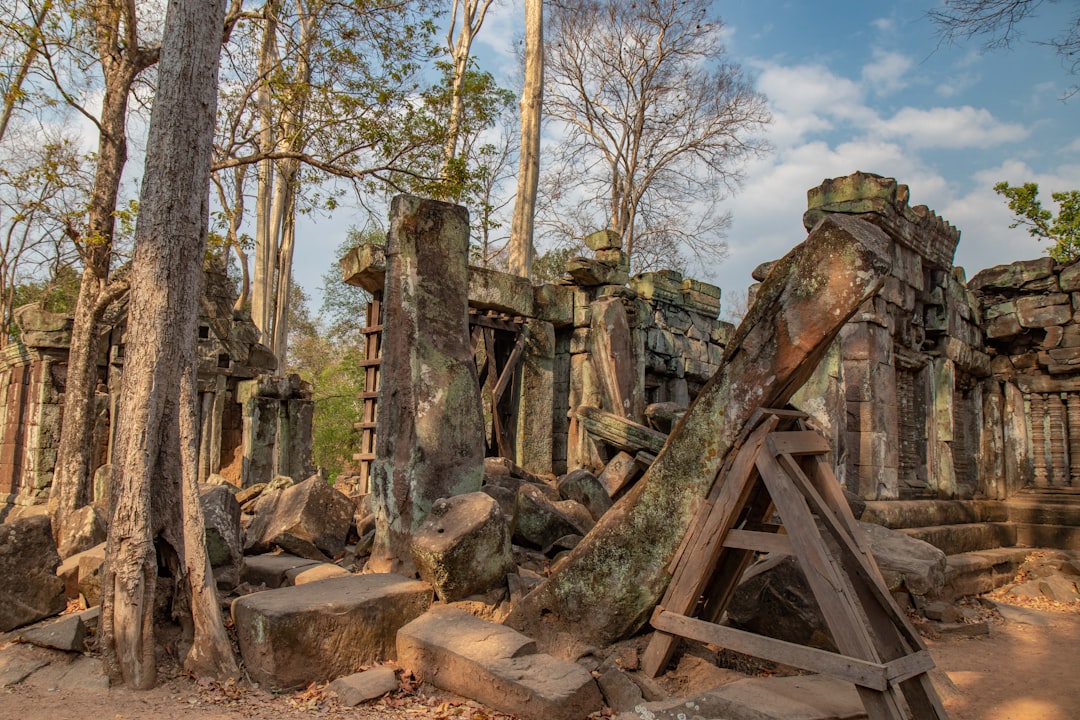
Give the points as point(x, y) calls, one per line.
point(265, 238)
point(71, 479)
point(33, 45)
point(155, 491)
point(472, 17)
point(532, 97)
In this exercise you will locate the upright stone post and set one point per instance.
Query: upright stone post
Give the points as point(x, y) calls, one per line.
point(430, 443)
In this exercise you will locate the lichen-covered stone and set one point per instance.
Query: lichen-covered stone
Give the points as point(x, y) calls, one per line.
point(463, 547)
point(540, 521)
point(429, 390)
point(583, 487)
point(615, 576)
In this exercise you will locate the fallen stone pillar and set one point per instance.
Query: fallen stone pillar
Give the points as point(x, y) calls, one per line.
point(618, 573)
point(429, 402)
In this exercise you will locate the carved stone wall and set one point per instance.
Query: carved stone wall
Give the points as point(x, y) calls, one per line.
point(1033, 337)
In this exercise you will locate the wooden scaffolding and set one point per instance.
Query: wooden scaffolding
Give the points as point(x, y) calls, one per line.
point(772, 496)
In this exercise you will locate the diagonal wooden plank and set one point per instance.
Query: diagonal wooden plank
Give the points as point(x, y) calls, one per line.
point(696, 565)
point(836, 598)
point(894, 636)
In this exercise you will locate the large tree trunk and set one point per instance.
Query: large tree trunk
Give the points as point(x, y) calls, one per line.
point(472, 17)
point(155, 496)
point(618, 572)
point(532, 99)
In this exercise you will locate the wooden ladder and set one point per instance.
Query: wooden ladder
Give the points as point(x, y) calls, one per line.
point(781, 469)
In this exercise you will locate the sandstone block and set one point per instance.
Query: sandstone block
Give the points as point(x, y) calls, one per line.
point(310, 519)
point(495, 665)
point(1069, 278)
point(539, 521)
point(583, 487)
point(1012, 276)
point(221, 518)
point(463, 547)
point(83, 529)
point(293, 636)
point(363, 686)
point(1044, 310)
point(314, 573)
point(67, 633)
point(89, 574)
point(905, 562)
point(273, 570)
point(30, 589)
point(603, 240)
point(619, 471)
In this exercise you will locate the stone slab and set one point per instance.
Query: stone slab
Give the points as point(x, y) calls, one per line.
point(805, 697)
point(496, 666)
point(363, 686)
point(322, 630)
point(272, 570)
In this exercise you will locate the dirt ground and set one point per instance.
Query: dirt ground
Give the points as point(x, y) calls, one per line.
point(1025, 669)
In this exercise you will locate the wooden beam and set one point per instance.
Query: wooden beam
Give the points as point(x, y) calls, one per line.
point(860, 672)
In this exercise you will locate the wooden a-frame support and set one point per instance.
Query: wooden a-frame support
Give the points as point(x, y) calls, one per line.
point(781, 469)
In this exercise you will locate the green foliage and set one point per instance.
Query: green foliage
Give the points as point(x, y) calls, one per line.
point(1063, 229)
point(550, 267)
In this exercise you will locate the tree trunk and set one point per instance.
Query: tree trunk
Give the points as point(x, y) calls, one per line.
point(472, 18)
point(155, 490)
point(265, 239)
point(71, 479)
point(532, 97)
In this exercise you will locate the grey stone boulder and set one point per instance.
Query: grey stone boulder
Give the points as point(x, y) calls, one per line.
point(494, 665)
point(310, 519)
point(224, 542)
point(363, 686)
point(66, 633)
point(906, 563)
point(83, 529)
point(540, 521)
point(31, 589)
point(582, 486)
point(463, 547)
point(774, 599)
point(316, 632)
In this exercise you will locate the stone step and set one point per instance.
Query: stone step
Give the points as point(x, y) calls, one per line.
point(1061, 537)
point(899, 514)
point(1044, 513)
point(981, 571)
point(955, 539)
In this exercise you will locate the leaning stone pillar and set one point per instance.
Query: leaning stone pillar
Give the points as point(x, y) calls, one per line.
point(430, 443)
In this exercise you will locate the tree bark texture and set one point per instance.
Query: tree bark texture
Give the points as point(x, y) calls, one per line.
point(155, 498)
point(532, 100)
point(122, 60)
point(619, 571)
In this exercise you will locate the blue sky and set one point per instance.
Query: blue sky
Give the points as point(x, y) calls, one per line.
point(859, 86)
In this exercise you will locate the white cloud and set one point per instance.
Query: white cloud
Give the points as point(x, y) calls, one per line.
point(885, 25)
point(951, 127)
point(888, 72)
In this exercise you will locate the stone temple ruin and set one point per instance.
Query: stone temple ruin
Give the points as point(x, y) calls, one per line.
point(589, 463)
